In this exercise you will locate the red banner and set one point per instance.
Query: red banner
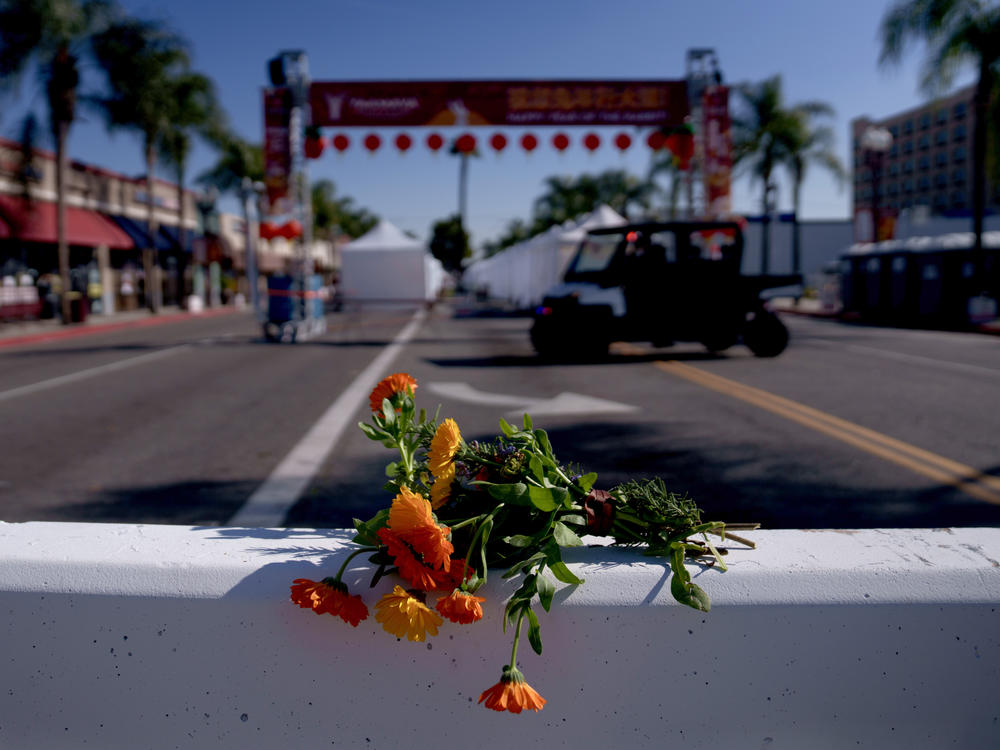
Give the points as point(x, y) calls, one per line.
point(512, 103)
point(277, 151)
point(717, 140)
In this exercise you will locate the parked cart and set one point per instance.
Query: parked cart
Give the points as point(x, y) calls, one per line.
point(294, 313)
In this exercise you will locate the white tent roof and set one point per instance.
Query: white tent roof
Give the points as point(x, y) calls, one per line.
point(384, 236)
point(602, 216)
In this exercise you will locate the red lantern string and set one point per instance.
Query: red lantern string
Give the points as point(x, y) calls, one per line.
point(466, 143)
point(528, 142)
point(591, 141)
point(560, 141)
point(656, 140)
point(314, 147)
point(403, 142)
point(268, 230)
point(498, 142)
point(372, 142)
point(434, 142)
point(623, 141)
point(341, 142)
point(290, 230)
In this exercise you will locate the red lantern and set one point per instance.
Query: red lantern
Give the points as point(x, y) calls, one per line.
point(434, 142)
point(314, 147)
point(498, 142)
point(560, 141)
point(681, 143)
point(591, 141)
point(466, 143)
point(656, 140)
point(341, 142)
point(267, 230)
point(372, 142)
point(290, 230)
point(623, 141)
point(528, 142)
point(403, 142)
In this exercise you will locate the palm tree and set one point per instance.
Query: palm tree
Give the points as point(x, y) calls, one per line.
point(957, 33)
point(195, 111)
point(666, 163)
point(333, 214)
point(51, 34)
point(141, 61)
point(463, 152)
point(808, 143)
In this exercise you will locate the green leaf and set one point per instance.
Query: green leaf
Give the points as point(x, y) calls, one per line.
point(509, 493)
point(527, 563)
point(519, 540)
point(564, 536)
point(371, 432)
point(534, 632)
point(543, 442)
point(574, 519)
point(542, 498)
point(586, 482)
point(388, 412)
point(562, 497)
point(506, 428)
point(546, 590)
point(536, 468)
point(564, 574)
point(391, 469)
point(527, 422)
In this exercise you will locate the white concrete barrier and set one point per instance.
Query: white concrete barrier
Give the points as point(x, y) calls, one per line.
point(172, 637)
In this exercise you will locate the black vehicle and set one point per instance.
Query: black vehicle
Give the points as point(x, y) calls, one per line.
point(660, 282)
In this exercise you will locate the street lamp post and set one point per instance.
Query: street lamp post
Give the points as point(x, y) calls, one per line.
point(251, 193)
point(875, 142)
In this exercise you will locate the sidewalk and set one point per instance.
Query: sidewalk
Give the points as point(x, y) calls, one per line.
point(36, 331)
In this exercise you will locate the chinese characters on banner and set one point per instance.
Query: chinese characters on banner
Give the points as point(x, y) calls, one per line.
point(277, 151)
point(718, 164)
point(467, 103)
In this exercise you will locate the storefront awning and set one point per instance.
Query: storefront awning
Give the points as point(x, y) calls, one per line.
point(138, 231)
point(36, 222)
point(173, 233)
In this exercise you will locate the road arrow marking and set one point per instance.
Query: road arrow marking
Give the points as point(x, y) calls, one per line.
point(563, 404)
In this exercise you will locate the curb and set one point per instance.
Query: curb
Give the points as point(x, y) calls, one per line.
point(93, 328)
point(990, 329)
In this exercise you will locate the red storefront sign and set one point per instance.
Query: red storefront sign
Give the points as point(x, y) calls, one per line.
point(717, 140)
point(512, 103)
point(277, 151)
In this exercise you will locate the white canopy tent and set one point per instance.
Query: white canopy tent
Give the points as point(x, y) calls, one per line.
point(386, 264)
point(522, 273)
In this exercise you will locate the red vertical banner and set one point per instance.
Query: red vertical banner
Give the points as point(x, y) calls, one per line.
point(718, 149)
point(277, 151)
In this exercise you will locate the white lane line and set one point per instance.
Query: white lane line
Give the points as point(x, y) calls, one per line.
point(73, 377)
point(919, 359)
point(270, 503)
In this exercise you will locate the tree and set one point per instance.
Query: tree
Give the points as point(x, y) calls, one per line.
point(808, 143)
point(568, 197)
point(450, 242)
point(238, 161)
point(333, 214)
point(141, 61)
point(195, 111)
point(958, 33)
point(52, 34)
point(764, 131)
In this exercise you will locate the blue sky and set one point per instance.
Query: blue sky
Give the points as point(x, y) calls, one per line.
point(824, 51)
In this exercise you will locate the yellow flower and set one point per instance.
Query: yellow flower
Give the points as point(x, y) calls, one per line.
point(404, 615)
point(444, 445)
point(441, 490)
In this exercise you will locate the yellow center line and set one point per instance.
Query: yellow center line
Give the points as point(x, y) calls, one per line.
point(944, 470)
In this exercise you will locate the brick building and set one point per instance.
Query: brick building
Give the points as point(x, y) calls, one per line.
point(928, 164)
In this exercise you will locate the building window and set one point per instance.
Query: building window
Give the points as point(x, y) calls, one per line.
point(893, 150)
point(940, 137)
point(908, 166)
point(893, 170)
point(958, 111)
point(940, 180)
point(958, 176)
point(907, 203)
point(958, 153)
point(893, 188)
point(924, 183)
point(907, 186)
point(894, 130)
point(940, 201)
point(924, 142)
point(908, 127)
point(907, 147)
point(925, 120)
point(958, 133)
point(924, 162)
point(958, 199)
point(942, 116)
point(940, 158)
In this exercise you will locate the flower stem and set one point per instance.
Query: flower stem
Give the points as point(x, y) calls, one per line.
point(350, 557)
point(517, 639)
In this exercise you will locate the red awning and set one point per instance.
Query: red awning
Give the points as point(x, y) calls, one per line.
point(36, 222)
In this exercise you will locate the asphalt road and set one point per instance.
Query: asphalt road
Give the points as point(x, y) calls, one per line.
point(183, 423)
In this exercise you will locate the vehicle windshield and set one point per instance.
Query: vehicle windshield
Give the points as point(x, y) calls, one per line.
point(595, 253)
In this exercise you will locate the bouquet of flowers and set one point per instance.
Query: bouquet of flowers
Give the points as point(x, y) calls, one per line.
point(463, 508)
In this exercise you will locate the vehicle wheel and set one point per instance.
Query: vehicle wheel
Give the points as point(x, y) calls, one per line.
point(765, 335)
point(546, 340)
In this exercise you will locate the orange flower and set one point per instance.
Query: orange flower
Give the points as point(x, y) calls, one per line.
point(409, 511)
point(441, 490)
point(405, 615)
point(329, 597)
point(461, 607)
point(410, 567)
point(399, 382)
point(444, 445)
point(512, 694)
